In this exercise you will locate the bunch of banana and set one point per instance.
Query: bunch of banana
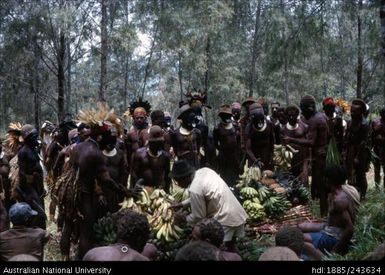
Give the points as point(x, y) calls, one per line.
point(144, 199)
point(276, 205)
point(104, 231)
point(248, 193)
point(263, 193)
point(250, 174)
point(129, 203)
point(304, 193)
point(158, 198)
point(181, 195)
point(254, 209)
point(158, 193)
point(283, 154)
point(162, 222)
point(249, 249)
point(140, 205)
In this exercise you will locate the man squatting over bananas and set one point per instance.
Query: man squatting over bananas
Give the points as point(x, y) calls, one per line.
point(210, 197)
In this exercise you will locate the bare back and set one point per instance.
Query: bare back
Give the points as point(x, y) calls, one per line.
point(115, 252)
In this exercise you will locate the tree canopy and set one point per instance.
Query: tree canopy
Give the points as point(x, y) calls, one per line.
point(59, 56)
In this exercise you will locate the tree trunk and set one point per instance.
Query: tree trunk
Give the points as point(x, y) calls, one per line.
point(36, 83)
point(285, 43)
point(61, 75)
point(359, 52)
point(147, 70)
point(125, 84)
point(126, 63)
point(255, 50)
point(286, 78)
point(208, 64)
point(103, 52)
point(69, 68)
point(36, 106)
point(325, 92)
point(382, 17)
point(180, 75)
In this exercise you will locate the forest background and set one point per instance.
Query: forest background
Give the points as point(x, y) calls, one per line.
point(58, 56)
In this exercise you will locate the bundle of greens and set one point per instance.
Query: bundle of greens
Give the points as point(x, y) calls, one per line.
point(333, 156)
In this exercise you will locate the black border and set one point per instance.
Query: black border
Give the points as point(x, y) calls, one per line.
point(263, 268)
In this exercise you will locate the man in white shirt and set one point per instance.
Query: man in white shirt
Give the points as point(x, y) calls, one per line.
point(210, 197)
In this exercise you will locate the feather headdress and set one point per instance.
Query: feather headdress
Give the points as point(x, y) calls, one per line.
point(13, 139)
point(138, 104)
point(343, 104)
point(197, 95)
point(101, 118)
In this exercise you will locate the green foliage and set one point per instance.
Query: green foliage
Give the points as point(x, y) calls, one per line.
point(301, 47)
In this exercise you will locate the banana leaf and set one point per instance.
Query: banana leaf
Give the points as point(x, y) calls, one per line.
point(333, 156)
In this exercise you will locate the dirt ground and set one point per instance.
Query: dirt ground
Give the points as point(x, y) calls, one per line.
point(52, 248)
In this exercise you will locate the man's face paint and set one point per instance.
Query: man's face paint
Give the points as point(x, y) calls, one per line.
point(356, 112)
point(274, 109)
point(236, 113)
point(111, 142)
point(225, 118)
point(189, 121)
point(307, 109)
point(140, 121)
point(258, 120)
point(292, 117)
point(329, 110)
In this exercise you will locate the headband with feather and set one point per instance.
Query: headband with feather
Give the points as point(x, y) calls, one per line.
point(98, 119)
point(139, 104)
point(197, 95)
point(13, 139)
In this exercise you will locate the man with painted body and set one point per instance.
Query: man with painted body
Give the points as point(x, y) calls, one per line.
point(225, 140)
point(152, 163)
point(260, 139)
point(357, 154)
point(186, 139)
point(31, 187)
point(317, 141)
point(295, 128)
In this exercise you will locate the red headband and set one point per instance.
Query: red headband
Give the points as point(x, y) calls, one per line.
point(328, 101)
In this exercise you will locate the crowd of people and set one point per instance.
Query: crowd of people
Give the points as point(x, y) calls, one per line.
point(89, 165)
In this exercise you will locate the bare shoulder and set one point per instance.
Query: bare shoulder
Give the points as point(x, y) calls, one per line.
point(341, 201)
point(103, 253)
point(139, 257)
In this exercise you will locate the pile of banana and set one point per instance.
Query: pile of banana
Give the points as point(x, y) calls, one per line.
point(249, 249)
point(254, 209)
point(140, 205)
point(262, 202)
point(252, 205)
point(276, 205)
point(158, 198)
point(249, 193)
point(162, 223)
point(104, 230)
point(283, 154)
point(250, 174)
